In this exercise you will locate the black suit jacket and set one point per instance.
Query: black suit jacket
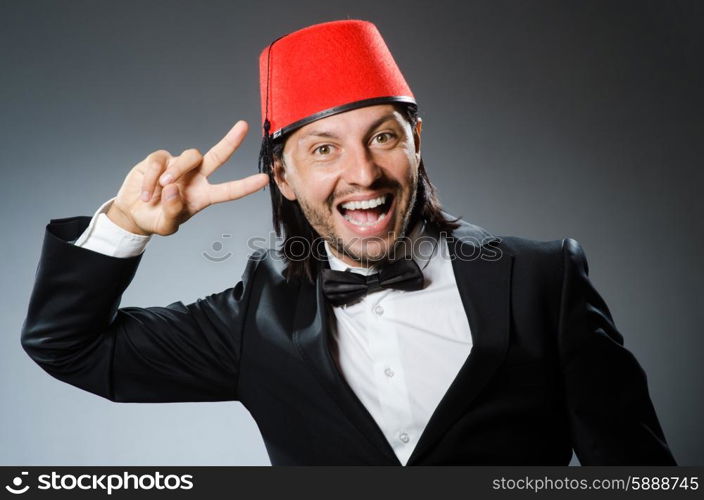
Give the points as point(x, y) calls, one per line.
point(547, 373)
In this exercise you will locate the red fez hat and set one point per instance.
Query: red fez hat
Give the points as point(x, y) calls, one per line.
point(326, 69)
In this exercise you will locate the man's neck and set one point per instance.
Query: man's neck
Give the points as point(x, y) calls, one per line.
point(346, 258)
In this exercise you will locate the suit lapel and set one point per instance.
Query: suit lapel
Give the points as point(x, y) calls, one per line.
point(484, 283)
point(311, 329)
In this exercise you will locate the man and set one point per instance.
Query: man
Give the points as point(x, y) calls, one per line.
point(385, 331)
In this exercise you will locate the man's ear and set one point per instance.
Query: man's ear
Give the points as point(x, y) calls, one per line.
point(282, 181)
point(416, 136)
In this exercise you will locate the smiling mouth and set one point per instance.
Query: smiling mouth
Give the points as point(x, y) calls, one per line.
point(367, 212)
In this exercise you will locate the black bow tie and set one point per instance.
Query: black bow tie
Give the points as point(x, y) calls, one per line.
point(343, 287)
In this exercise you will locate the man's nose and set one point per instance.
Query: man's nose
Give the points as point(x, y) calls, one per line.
point(361, 167)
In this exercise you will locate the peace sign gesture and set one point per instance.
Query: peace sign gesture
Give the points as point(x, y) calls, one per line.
point(163, 191)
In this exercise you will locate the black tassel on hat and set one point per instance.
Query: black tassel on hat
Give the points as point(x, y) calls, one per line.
point(266, 158)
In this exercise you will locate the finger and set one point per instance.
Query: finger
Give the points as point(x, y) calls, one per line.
point(156, 195)
point(172, 203)
point(222, 151)
point(227, 191)
point(179, 165)
point(154, 165)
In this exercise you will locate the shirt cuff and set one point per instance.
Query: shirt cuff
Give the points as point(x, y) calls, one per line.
point(104, 236)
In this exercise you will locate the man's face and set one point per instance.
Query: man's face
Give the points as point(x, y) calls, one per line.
point(355, 176)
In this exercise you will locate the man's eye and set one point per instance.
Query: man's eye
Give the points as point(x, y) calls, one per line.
point(383, 138)
point(324, 150)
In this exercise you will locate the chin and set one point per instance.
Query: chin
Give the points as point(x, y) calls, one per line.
point(363, 227)
point(369, 244)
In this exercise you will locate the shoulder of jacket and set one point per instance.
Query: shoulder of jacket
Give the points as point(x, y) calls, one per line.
point(573, 254)
point(532, 248)
point(268, 261)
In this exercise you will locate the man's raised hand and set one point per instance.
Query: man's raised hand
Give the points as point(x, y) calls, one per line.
point(163, 191)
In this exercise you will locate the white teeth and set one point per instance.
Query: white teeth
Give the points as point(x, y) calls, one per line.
point(362, 224)
point(357, 205)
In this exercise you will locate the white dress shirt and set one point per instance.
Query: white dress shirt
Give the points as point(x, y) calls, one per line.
point(398, 351)
point(104, 236)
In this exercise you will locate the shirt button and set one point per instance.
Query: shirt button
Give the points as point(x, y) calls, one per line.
point(389, 372)
point(379, 310)
point(404, 437)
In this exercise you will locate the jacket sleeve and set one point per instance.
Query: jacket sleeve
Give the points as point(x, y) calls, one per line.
point(75, 330)
point(612, 418)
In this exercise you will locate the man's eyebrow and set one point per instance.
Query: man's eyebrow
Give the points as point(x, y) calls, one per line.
point(319, 133)
point(381, 120)
point(330, 135)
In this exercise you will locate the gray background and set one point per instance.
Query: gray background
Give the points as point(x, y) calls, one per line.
point(541, 119)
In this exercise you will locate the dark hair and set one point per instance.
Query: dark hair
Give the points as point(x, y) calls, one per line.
point(291, 224)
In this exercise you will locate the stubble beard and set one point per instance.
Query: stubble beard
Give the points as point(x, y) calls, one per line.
point(322, 221)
